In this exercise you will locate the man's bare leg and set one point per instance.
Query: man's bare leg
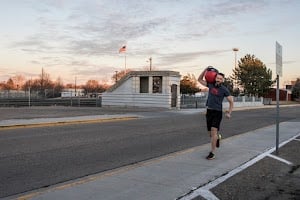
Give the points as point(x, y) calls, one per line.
point(214, 138)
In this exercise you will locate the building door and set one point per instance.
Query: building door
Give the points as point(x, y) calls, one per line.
point(173, 95)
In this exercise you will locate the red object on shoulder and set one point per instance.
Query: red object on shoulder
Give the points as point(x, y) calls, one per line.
point(210, 75)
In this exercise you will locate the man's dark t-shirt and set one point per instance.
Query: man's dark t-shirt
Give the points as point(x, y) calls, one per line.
point(216, 95)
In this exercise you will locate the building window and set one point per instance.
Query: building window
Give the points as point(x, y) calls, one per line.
point(157, 84)
point(144, 84)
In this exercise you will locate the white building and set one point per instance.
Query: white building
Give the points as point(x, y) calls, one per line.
point(72, 92)
point(145, 89)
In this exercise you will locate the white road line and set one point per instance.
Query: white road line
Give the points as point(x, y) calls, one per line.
point(287, 141)
point(201, 192)
point(297, 139)
point(280, 159)
point(204, 191)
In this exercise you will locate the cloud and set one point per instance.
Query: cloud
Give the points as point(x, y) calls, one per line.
point(217, 18)
point(35, 62)
point(287, 62)
point(290, 62)
point(57, 4)
point(233, 8)
point(95, 72)
point(8, 74)
point(68, 33)
point(85, 31)
point(176, 58)
point(33, 44)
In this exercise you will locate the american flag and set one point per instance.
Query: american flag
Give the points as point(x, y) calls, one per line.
point(122, 49)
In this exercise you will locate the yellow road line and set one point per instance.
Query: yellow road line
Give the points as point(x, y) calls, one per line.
point(37, 125)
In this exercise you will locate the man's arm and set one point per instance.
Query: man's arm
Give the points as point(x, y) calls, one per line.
point(200, 79)
point(230, 101)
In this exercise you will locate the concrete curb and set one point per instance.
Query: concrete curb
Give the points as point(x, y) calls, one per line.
point(40, 122)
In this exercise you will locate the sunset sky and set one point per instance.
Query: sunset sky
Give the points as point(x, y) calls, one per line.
point(82, 38)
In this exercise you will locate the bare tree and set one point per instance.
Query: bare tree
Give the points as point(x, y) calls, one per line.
point(19, 81)
point(58, 87)
point(45, 84)
point(93, 86)
point(9, 85)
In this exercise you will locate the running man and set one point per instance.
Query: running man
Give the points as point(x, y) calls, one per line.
point(216, 93)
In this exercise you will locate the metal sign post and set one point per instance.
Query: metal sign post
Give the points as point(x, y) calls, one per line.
point(277, 115)
point(278, 73)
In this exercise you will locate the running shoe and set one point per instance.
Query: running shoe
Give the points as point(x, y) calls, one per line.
point(210, 156)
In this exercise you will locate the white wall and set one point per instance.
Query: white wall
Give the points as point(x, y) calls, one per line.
point(125, 87)
point(128, 94)
point(136, 100)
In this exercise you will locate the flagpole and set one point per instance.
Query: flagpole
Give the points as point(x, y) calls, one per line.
point(125, 62)
point(123, 50)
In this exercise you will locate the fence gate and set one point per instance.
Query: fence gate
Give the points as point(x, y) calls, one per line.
point(174, 95)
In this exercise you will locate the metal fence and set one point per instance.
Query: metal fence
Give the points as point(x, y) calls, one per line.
point(78, 102)
point(23, 99)
point(200, 102)
point(5, 94)
point(193, 101)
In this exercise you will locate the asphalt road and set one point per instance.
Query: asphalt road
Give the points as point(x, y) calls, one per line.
point(33, 158)
point(60, 111)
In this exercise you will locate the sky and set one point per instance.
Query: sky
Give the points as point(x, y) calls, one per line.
point(82, 38)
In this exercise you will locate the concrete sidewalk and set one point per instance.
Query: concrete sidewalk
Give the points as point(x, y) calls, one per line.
point(173, 176)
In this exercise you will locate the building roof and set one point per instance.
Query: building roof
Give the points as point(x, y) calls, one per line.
point(153, 73)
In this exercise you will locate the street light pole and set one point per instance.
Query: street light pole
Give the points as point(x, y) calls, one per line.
point(29, 92)
point(235, 50)
point(75, 86)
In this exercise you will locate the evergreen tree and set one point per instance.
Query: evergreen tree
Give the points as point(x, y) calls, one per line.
point(253, 76)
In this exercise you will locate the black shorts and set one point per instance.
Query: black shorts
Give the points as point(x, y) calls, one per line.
point(213, 119)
